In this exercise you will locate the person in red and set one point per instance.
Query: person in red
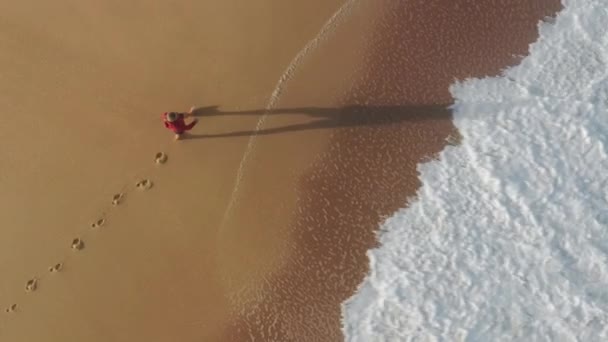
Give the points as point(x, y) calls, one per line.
point(176, 122)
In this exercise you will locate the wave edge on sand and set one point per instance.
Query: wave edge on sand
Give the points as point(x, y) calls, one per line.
point(506, 237)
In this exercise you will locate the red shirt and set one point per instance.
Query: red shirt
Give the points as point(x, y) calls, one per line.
point(178, 126)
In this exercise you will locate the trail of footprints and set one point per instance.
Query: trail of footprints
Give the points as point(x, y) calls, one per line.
point(78, 244)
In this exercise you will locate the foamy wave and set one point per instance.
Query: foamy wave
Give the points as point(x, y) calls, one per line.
point(508, 239)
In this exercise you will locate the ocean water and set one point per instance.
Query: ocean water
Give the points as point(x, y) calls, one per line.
point(507, 239)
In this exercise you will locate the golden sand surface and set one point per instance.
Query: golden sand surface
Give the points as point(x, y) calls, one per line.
point(83, 86)
point(313, 117)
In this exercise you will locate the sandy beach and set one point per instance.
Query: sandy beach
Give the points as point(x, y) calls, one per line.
point(388, 104)
point(257, 225)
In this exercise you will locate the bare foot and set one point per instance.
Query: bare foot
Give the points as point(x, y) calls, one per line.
point(177, 136)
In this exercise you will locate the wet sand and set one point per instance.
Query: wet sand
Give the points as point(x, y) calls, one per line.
point(382, 112)
point(86, 83)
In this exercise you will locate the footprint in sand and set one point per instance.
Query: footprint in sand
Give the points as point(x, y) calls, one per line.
point(77, 244)
point(98, 223)
point(161, 158)
point(144, 184)
point(31, 285)
point(11, 308)
point(56, 268)
point(116, 199)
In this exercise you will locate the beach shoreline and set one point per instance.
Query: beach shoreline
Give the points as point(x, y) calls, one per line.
point(367, 168)
point(336, 154)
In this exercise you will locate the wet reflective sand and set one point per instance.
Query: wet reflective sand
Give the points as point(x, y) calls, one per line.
point(383, 76)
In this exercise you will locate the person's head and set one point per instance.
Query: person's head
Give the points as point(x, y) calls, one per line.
point(171, 116)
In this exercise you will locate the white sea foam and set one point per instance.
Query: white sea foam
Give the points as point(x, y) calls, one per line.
point(508, 237)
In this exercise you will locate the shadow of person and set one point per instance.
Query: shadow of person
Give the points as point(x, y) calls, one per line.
point(330, 117)
point(205, 111)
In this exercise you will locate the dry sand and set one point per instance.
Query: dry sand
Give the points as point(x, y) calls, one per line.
point(83, 85)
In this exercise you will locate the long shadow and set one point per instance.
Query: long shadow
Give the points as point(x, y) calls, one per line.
point(331, 117)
